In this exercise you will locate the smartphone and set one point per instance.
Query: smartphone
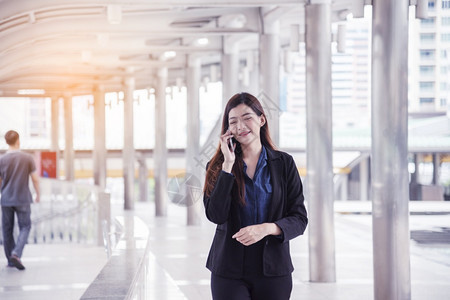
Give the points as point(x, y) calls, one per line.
point(232, 144)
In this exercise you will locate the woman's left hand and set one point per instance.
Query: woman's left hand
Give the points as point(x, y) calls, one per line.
point(254, 233)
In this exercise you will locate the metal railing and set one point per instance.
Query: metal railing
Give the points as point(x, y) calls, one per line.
point(68, 212)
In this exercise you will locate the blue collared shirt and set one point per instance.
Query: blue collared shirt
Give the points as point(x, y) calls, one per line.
point(258, 193)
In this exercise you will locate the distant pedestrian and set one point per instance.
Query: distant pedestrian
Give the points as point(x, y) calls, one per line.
point(16, 167)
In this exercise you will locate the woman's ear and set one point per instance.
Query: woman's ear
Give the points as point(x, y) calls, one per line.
point(263, 120)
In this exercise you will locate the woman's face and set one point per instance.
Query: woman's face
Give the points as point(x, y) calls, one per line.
point(245, 124)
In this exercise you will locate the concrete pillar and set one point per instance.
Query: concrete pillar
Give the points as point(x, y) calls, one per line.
point(414, 186)
point(104, 220)
point(55, 125)
point(344, 188)
point(55, 131)
point(160, 153)
point(390, 212)
point(436, 166)
point(128, 145)
point(415, 175)
point(99, 152)
point(252, 67)
point(364, 179)
point(143, 179)
point(319, 143)
point(194, 208)
point(270, 77)
point(230, 70)
point(69, 154)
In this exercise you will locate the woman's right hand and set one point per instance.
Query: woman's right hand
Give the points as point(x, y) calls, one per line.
point(228, 155)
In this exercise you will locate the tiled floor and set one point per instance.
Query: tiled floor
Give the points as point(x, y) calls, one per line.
point(182, 252)
point(53, 271)
point(179, 254)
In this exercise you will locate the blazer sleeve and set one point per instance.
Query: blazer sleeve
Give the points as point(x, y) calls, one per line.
point(218, 204)
point(295, 220)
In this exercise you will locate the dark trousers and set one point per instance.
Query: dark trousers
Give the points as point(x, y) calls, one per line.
point(23, 213)
point(254, 288)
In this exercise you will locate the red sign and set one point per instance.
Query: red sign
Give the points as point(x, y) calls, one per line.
point(48, 164)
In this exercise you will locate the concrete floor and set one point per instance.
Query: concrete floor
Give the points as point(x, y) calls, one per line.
point(53, 271)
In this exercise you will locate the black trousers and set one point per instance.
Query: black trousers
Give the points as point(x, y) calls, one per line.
point(254, 288)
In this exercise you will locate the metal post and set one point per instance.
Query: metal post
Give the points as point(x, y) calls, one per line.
point(436, 166)
point(390, 198)
point(128, 145)
point(364, 179)
point(269, 93)
point(320, 191)
point(344, 188)
point(415, 192)
point(160, 157)
point(99, 138)
point(415, 175)
point(103, 214)
point(143, 179)
point(69, 154)
point(193, 140)
point(253, 66)
point(230, 71)
point(55, 124)
point(55, 131)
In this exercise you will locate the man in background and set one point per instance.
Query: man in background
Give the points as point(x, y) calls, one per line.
point(16, 167)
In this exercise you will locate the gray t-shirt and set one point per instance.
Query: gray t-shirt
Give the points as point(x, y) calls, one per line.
point(15, 170)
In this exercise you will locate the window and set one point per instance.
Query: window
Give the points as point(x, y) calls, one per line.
point(445, 21)
point(443, 53)
point(428, 22)
point(445, 37)
point(426, 85)
point(444, 70)
point(426, 70)
point(445, 4)
point(427, 54)
point(426, 100)
point(431, 5)
point(443, 102)
point(427, 37)
point(443, 86)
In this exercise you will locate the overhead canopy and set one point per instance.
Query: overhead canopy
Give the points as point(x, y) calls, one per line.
point(55, 47)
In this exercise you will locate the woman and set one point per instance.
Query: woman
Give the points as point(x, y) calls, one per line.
point(255, 196)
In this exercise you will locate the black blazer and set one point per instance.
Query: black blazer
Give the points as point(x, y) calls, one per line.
point(287, 210)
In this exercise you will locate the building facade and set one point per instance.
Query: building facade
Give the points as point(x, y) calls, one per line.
point(429, 60)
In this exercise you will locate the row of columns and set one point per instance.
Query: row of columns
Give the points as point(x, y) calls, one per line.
point(436, 160)
point(389, 146)
point(99, 152)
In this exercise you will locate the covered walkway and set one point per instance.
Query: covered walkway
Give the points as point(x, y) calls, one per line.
point(62, 50)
